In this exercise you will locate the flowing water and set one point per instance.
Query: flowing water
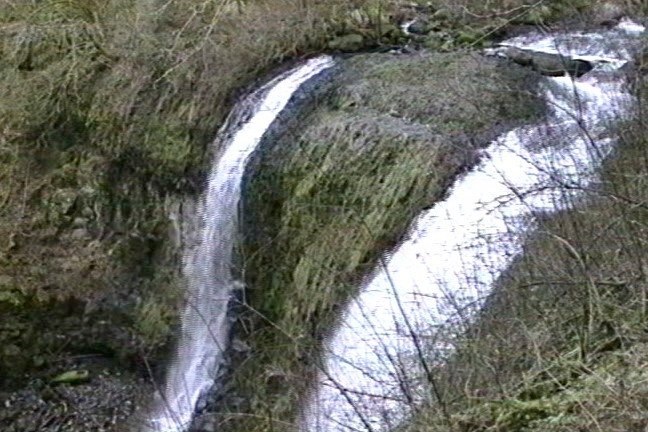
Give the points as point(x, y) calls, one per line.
point(376, 362)
point(207, 265)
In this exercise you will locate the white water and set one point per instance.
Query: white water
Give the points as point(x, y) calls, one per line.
point(373, 375)
point(207, 265)
point(406, 26)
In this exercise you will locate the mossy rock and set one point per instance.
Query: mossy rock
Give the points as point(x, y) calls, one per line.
point(347, 43)
point(469, 37)
point(547, 63)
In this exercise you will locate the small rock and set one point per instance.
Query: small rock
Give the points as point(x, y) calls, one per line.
point(79, 234)
point(72, 377)
point(79, 222)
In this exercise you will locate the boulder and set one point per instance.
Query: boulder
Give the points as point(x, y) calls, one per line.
point(558, 65)
point(608, 14)
point(519, 56)
point(548, 64)
point(421, 26)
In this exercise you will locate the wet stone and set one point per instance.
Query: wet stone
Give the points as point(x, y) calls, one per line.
point(419, 27)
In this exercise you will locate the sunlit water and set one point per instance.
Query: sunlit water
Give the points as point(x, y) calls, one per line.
point(207, 265)
point(374, 369)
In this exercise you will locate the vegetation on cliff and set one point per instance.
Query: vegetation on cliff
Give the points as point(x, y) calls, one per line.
point(107, 111)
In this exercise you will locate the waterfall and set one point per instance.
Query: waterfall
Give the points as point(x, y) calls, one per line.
point(376, 362)
point(207, 265)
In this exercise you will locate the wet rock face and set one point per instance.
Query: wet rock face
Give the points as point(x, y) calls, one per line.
point(548, 64)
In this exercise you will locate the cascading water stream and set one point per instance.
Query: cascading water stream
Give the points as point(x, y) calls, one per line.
point(375, 363)
point(207, 265)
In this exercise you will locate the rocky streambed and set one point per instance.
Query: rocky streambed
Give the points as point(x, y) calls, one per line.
point(105, 403)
